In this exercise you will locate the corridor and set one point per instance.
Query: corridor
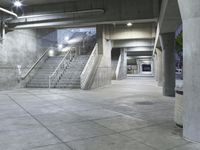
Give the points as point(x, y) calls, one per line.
point(130, 114)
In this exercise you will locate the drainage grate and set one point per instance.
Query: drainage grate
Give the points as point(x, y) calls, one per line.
point(144, 103)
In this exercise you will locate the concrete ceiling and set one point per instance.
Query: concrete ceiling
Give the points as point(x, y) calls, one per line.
point(9, 3)
point(70, 14)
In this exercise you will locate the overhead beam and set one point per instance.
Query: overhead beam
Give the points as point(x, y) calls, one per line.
point(142, 53)
point(83, 22)
point(139, 49)
point(133, 43)
point(57, 15)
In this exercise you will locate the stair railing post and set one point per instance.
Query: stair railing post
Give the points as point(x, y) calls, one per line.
point(49, 82)
point(70, 55)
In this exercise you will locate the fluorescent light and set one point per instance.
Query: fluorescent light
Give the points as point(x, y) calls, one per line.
point(129, 24)
point(17, 3)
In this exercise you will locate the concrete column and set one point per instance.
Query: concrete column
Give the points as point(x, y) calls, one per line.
point(103, 73)
point(168, 63)
point(2, 31)
point(155, 67)
point(100, 38)
point(123, 66)
point(190, 12)
point(159, 67)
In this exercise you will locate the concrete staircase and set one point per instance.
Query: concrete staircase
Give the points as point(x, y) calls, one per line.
point(41, 78)
point(71, 76)
point(69, 79)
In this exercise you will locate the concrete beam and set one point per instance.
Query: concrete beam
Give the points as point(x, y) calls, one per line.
point(139, 49)
point(191, 47)
point(169, 19)
point(133, 43)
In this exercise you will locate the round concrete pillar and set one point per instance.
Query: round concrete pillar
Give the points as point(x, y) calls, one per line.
point(190, 12)
point(168, 63)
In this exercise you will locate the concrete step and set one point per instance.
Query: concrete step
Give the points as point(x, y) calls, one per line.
point(67, 86)
point(69, 82)
point(33, 86)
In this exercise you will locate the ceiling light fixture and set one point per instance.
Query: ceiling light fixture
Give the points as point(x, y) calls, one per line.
point(17, 3)
point(66, 38)
point(129, 24)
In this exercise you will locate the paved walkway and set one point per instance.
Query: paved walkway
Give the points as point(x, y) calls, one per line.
point(127, 115)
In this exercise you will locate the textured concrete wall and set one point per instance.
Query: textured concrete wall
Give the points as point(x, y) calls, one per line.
point(20, 47)
point(104, 72)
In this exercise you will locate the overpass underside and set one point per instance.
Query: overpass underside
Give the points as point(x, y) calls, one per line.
point(134, 38)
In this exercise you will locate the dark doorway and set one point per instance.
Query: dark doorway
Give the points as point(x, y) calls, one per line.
point(146, 68)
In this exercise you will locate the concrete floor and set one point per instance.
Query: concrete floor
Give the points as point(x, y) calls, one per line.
point(128, 115)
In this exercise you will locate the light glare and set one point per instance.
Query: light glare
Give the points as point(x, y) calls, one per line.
point(66, 39)
point(18, 3)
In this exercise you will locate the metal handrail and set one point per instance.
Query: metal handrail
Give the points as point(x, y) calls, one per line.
point(37, 62)
point(62, 65)
point(86, 73)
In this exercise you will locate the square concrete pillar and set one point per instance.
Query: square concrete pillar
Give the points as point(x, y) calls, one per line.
point(168, 63)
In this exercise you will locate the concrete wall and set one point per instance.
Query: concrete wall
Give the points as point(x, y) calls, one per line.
point(21, 47)
point(104, 71)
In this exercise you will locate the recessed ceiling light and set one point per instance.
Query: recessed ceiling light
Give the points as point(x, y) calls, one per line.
point(129, 24)
point(17, 3)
